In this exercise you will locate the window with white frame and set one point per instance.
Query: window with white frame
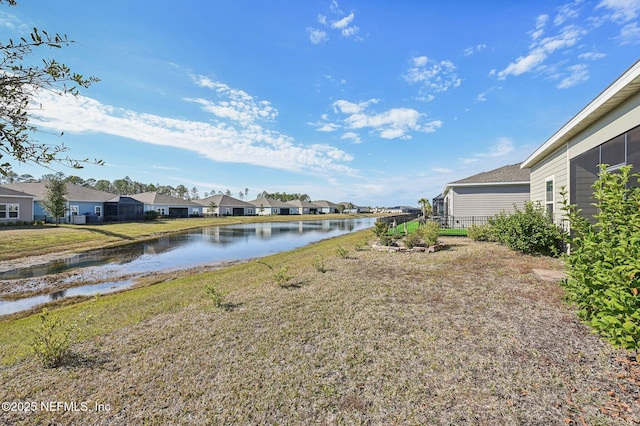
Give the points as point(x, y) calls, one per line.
point(549, 195)
point(98, 211)
point(74, 210)
point(161, 211)
point(9, 211)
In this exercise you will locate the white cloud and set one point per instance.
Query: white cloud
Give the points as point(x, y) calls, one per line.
point(629, 34)
point(541, 49)
point(234, 137)
point(621, 10)
point(317, 36)
point(442, 170)
point(342, 24)
point(578, 74)
point(236, 105)
point(474, 49)
point(352, 136)
point(433, 76)
point(592, 56)
point(567, 12)
point(501, 148)
point(391, 124)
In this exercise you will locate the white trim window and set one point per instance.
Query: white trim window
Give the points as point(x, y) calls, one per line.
point(549, 195)
point(98, 211)
point(9, 211)
point(74, 210)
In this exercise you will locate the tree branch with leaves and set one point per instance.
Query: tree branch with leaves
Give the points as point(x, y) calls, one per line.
point(20, 83)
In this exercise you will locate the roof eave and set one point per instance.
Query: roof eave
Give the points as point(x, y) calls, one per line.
point(612, 96)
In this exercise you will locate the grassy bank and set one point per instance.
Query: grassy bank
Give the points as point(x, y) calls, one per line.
point(33, 241)
point(467, 335)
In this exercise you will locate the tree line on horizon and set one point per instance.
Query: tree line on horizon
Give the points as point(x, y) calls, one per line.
point(127, 186)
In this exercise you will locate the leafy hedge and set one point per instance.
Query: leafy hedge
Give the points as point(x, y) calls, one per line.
point(604, 263)
point(529, 231)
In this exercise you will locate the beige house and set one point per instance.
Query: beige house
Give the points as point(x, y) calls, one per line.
point(606, 131)
point(488, 193)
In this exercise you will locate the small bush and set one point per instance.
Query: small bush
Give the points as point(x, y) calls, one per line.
point(52, 340)
point(342, 252)
point(529, 231)
point(319, 264)
point(412, 240)
point(381, 228)
point(151, 215)
point(216, 296)
point(429, 233)
point(281, 277)
point(480, 233)
point(387, 240)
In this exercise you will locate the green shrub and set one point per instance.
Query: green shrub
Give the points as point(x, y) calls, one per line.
point(412, 240)
point(603, 265)
point(429, 233)
point(319, 264)
point(381, 228)
point(386, 240)
point(52, 340)
point(280, 277)
point(151, 215)
point(481, 232)
point(342, 252)
point(216, 296)
point(529, 231)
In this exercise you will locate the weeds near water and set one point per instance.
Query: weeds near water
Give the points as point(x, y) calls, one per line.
point(216, 296)
point(319, 264)
point(52, 340)
point(342, 252)
point(280, 277)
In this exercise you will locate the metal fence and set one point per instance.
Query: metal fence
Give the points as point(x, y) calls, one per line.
point(458, 225)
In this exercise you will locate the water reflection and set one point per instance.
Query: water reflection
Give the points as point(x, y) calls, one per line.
point(208, 245)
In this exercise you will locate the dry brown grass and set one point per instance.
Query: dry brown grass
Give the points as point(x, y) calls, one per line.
point(463, 336)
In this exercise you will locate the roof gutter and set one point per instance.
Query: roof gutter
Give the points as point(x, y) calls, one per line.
point(603, 103)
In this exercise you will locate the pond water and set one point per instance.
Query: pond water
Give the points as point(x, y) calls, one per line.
point(209, 245)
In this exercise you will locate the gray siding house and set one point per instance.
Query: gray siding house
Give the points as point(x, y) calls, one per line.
point(226, 206)
point(327, 207)
point(606, 131)
point(304, 207)
point(15, 206)
point(166, 205)
point(487, 193)
point(269, 206)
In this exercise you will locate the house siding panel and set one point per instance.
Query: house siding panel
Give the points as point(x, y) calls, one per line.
point(554, 166)
point(619, 120)
point(487, 201)
point(25, 208)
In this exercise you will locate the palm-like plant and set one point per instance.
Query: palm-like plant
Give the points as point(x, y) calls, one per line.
point(426, 207)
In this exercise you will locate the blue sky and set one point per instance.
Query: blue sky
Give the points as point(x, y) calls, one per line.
point(374, 102)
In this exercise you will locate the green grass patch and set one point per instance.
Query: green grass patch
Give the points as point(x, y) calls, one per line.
point(413, 227)
point(114, 311)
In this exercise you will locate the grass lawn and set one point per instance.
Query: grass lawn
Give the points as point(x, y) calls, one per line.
point(413, 227)
point(467, 335)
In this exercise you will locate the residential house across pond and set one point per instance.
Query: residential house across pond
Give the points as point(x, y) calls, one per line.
point(15, 206)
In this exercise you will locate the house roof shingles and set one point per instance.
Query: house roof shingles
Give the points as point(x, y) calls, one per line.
point(74, 192)
point(512, 173)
